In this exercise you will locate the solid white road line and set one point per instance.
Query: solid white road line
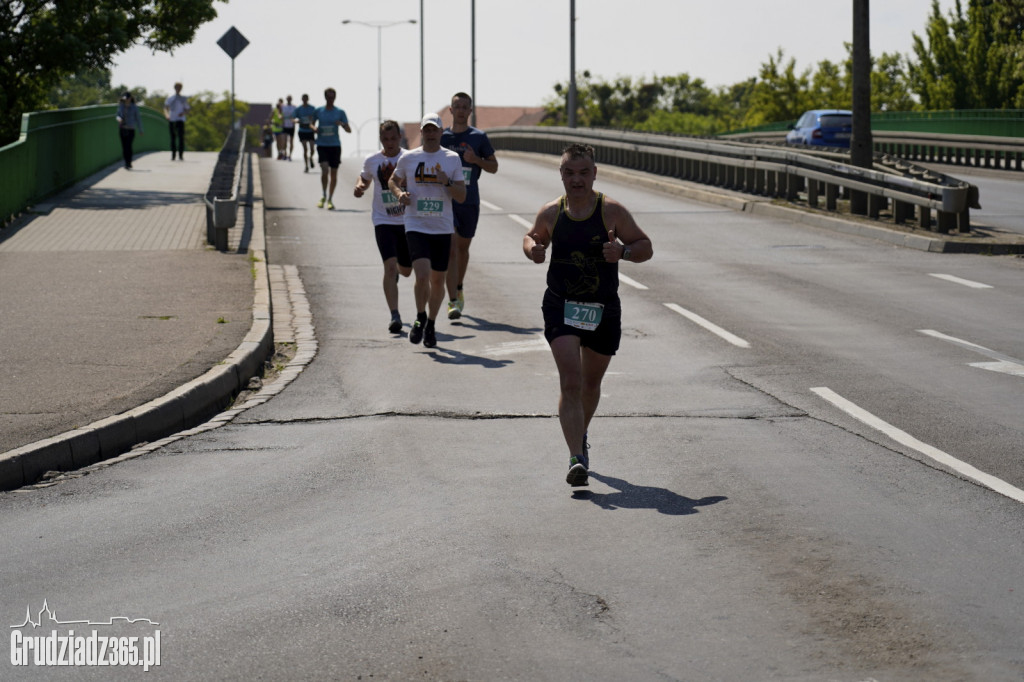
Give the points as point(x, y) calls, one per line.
point(963, 468)
point(631, 282)
point(1003, 363)
point(711, 327)
point(522, 221)
point(958, 280)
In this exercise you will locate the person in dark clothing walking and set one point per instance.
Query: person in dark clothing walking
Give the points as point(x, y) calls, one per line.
point(128, 121)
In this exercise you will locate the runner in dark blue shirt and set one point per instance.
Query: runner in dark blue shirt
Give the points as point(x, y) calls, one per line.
point(477, 155)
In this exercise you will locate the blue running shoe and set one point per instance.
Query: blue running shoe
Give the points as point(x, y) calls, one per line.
point(577, 475)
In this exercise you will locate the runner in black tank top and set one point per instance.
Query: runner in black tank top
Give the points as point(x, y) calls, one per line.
point(578, 269)
point(587, 234)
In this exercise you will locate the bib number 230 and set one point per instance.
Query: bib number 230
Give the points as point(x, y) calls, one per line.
point(584, 316)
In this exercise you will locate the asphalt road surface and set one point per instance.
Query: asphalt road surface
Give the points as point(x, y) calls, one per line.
point(807, 465)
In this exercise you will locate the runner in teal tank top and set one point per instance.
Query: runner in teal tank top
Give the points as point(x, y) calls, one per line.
point(588, 234)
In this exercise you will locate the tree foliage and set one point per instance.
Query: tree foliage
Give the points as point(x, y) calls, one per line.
point(43, 42)
point(972, 60)
point(209, 119)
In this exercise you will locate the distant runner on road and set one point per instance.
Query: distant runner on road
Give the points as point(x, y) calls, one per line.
point(327, 120)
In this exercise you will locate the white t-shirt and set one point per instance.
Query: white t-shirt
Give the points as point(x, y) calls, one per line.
point(177, 106)
point(288, 112)
point(386, 209)
point(431, 207)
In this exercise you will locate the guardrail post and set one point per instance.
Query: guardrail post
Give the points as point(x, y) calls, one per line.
point(794, 183)
point(876, 204)
point(945, 222)
point(831, 196)
point(812, 193)
point(924, 219)
point(964, 221)
point(901, 210)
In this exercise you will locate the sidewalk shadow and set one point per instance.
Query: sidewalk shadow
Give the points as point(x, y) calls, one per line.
point(631, 496)
point(482, 324)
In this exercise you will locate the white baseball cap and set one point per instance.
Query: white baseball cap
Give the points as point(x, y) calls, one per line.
point(431, 120)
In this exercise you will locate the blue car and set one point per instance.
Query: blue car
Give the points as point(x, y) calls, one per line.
point(822, 128)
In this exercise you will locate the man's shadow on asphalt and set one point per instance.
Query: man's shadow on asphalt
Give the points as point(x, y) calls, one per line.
point(484, 325)
point(631, 496)
point(448, 356)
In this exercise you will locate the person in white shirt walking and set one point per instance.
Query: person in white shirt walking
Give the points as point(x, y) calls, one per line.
point(175, 108)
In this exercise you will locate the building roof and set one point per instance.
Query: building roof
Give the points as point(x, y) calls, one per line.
point(486, 118)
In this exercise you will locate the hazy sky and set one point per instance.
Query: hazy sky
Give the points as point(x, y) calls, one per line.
point(522, 47)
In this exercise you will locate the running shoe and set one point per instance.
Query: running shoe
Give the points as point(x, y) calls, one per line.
point(454, 312)
point(320, 204)
point(416, 334)
point(577, 475)
point(396, 325)
point(330, 205)
point(429, 338)
point(462, 301)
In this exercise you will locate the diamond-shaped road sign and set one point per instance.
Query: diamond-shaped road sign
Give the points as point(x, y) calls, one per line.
point(233, 42)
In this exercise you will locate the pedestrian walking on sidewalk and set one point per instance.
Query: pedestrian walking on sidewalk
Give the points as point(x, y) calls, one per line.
point(588, 234)
point(433, 178)
point(175, 109)
point(128, 121)
point(327, 120)
point(388, 215)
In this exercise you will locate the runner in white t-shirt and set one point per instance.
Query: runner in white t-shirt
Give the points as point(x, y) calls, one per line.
point(432, 177)
point(288, 112)
point(388, 215)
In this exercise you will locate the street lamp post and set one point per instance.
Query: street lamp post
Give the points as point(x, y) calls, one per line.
point(380, 26)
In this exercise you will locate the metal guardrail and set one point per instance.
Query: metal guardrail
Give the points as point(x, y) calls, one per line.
point(225, 185)
point(766, 170)
point(978, 151)
point(58, 148)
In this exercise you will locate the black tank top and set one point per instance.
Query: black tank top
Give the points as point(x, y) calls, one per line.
point(578, 270)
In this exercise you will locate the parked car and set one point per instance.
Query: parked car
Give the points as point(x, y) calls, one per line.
point(822, 128)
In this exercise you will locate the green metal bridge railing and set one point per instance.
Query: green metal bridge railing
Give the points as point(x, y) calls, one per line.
point(61, 147)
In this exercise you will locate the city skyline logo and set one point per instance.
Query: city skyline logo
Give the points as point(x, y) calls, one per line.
point(59, 645)
point(51, 617)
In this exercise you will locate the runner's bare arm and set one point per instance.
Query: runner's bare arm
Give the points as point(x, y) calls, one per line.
point(535, 242)
point(626, 241)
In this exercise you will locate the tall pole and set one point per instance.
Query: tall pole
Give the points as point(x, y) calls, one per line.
point(232, 93)
point(380, 26)
point(861, 147)
point(423, 92)
point(472, 50)
point(571, 104)
point(380, 81)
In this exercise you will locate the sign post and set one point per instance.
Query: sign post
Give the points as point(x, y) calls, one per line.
point(233, 42)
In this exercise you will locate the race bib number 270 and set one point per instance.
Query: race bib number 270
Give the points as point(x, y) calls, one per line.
point(584, 316)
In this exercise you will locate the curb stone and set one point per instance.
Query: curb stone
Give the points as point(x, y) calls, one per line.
point(182, 408)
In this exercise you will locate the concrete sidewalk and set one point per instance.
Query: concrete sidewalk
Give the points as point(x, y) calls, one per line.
point(118, 323)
